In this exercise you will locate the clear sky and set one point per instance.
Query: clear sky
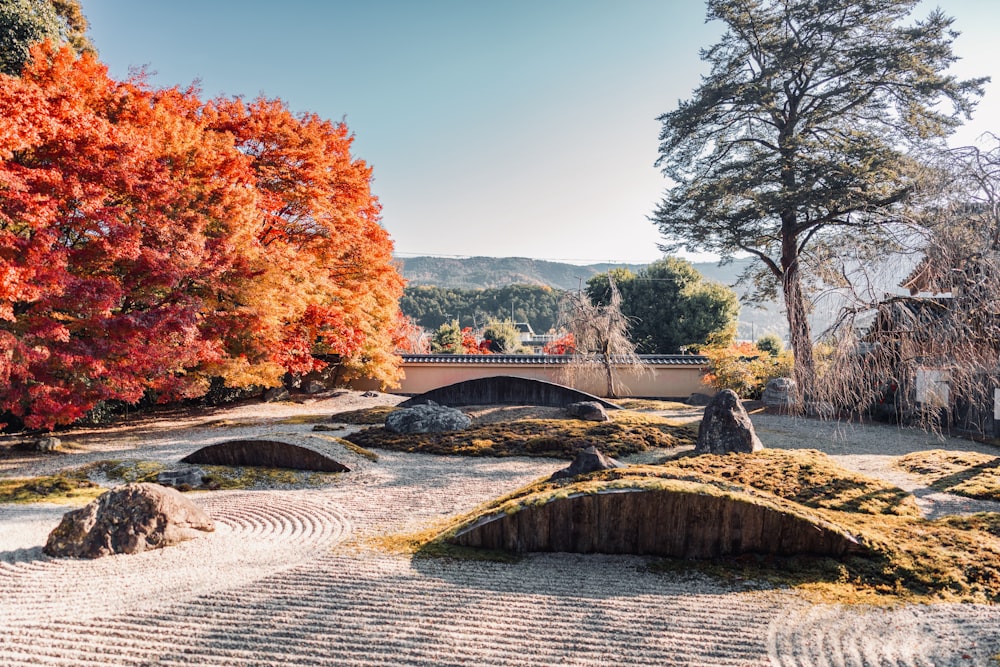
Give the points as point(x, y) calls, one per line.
point(500, 128)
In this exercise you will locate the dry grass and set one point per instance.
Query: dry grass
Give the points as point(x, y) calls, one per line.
point(969, 474)
point(628, 433)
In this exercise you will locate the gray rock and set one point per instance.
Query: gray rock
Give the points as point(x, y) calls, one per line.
point(48, 443)
point(587, 460)
point(427, 418)
point(128, 520)
point(726, 427)
point(780, 395)
point(699, 399)
point(588, 411)
point(275, 394)
point(189, 476)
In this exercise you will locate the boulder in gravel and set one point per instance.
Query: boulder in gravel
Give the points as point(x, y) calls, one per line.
point(779, 395)
point(313, 387)
point(726, 427)
point(697, 399)
point(587, 460)
point(48, 444)
point(275, 394)
point(187, 476)
point(128, 520)
point(588, 411)
point(427, 418)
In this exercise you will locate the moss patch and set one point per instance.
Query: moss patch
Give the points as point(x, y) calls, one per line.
point(61, 489)
point(364, 417)
point(969, 474)
point(651, 405)
point(628, 433)
point(251, 477)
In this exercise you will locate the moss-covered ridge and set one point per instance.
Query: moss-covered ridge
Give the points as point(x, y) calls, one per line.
point(902, 554)
point(628, 433)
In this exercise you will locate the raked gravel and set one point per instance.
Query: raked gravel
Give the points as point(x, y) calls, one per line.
point(294, 577)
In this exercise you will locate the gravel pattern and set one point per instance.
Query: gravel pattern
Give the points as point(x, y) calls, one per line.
point(293, 577)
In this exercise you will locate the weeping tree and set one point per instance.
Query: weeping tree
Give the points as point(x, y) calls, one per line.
point(946, 330)
point(799, 140)
point(601, 336)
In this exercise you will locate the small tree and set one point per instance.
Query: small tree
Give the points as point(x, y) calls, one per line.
point(670, 306)
point(600, 334)
point(447, 339)
point(503, 337)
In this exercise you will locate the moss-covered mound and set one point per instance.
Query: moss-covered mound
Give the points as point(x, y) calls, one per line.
point(658, 516)
point(969, 474)
point(899, 554)
point(627, 433)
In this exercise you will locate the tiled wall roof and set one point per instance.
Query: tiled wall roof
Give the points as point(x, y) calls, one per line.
point(544, 359)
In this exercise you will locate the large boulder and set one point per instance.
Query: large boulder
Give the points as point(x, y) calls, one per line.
point(726, 427)
point(587, 460)
point(588, 411)
point(128, 520)
point(427, 418)
point(779, 395)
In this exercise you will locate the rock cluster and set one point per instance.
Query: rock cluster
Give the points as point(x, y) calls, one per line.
point(427, 418)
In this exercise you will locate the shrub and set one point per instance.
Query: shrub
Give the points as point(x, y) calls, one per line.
point(744, 368)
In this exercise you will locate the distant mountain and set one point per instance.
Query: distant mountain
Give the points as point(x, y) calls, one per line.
point(487, 272)
point(496, 272)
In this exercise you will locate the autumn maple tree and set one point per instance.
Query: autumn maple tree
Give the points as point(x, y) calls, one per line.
point(150, 241)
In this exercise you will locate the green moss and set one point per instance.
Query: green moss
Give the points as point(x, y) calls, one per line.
point(50, 489)
point(651, 405)
point(127, 471)
point(252, 477)
point(628, 433)
point(969, 474)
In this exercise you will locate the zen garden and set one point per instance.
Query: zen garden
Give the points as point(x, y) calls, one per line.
point(231, 439)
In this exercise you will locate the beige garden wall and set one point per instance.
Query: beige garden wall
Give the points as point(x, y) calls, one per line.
point(672, 377)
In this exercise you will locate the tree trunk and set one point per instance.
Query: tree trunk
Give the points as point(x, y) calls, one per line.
point(800, 332)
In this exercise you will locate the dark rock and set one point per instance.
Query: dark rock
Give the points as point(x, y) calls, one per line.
point(313, 386)
point(427, 418)
point(726, 427)
point(128, 520)
point(588, 411)
point(189, 476)
point(370, 394)
point(48, 444)
point(275, 394)
point(587, 460)
point(699, 399)
point(265, 453)
point(780, 395)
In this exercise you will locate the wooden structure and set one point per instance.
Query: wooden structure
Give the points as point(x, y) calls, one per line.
point(679, 522)
point(265, 453)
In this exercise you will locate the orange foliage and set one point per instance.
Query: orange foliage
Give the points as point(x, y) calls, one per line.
point(150, 241)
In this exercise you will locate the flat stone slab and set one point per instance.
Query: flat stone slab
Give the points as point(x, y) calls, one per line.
point(265, 453)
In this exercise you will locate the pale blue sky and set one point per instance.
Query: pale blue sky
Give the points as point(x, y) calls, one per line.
point(504, 128)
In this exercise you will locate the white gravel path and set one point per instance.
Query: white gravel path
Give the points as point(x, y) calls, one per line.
point(290, 577)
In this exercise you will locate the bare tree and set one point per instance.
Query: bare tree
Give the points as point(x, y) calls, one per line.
point(931, 356)
point(601, 336)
